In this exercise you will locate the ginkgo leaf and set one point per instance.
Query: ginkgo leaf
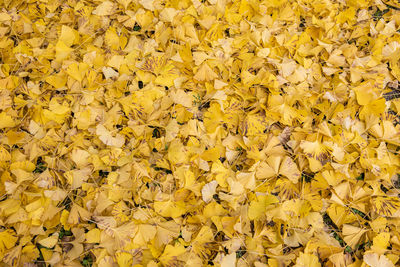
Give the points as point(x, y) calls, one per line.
point(49, 242)
point(352, 234)
point(315, 150)
point(208, 191)
point(289, 169)
point(385, 206)
point(110, 73)
point(124, 259)
point(147, 4)
point(307, 260)
point(375, 260)
point(365, 93)
point(180, 97)
point(105, 8)
point(68, 36)
point(254, 125)
point(275, 166)
point(57, 81)
point(380, 243)
point(62, 51)
point(12, 257)
point(106, 137)
point(7, 240)
point(144, 234)
point(169, 208)
point(228, 260)
point(6, 121)
point(171, 253)
point(258, 208)
point(4, 16)
point(77, 71)
point(205, 73)
point(93, 236)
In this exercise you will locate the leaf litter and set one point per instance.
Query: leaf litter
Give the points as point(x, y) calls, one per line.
point(199, 133)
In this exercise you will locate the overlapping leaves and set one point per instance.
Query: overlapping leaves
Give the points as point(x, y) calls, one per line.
point(196, 133)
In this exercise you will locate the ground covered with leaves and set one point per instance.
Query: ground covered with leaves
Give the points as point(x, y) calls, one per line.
point(199, 133)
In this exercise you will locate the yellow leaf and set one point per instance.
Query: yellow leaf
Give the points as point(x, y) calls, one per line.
point(58, 81)
point(379, 224)
point(64, 219)
point(307, 260)
point(105, 8)
point(376, 260)
point(205, 235)
point(50, 241)
point(7, 240)
point(176, 153)
point(212, 154)
point(180, 97)
point(62, 51)
point(112, 39)
point(116, 61)
point(257, 208)
point(77, 71)
point(68, 36)
point(108, 139)
point(229, 260)
point(380, 243)
point(124, 259)
point(110, 73)
point(93, 236)
point(4, 154)
point(4, 17)
point(365, 93)
point(214, 209)
point(352, 235)
point(171, 253)
point(6, 121)
point(144, 234)
point(385, 206)
point(208, 191)
point(205, 73)
point(169, 208)
point(289, 169)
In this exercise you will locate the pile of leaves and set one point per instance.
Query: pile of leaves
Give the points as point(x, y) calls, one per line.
point(199, 133)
